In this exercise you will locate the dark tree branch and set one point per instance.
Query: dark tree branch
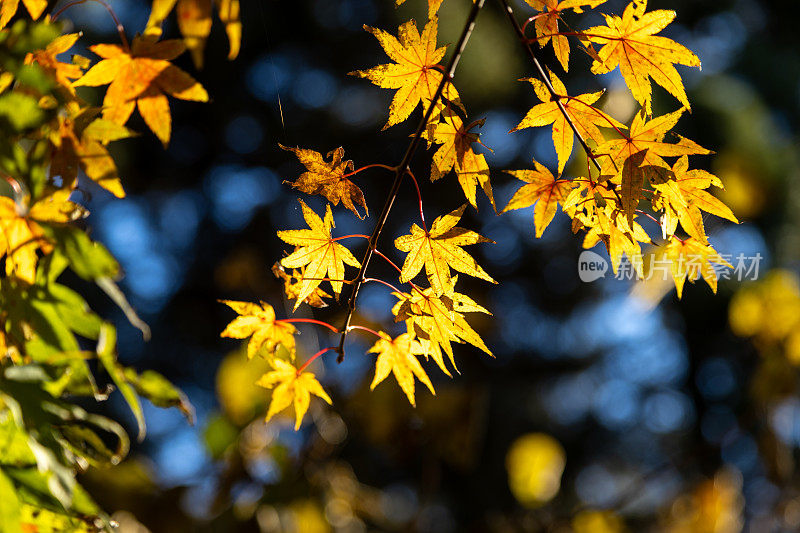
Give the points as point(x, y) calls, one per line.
point(403, 168)
point(546, 80)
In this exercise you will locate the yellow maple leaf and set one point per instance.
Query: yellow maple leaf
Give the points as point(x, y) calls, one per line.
point(81, 143)
point(142, 77)
point(585, 117)
point(630, 43)
point(682, 195)
point(546, 23)
point(398, 356)
point(586, 199)
point(541, 188)
point(63, 73)
point(691, 259)
point(620, 238)
point(8, 9)
point(21, 234)
point(438, 320)
point(433, 6)
point(292, 283)
point(456, 140)
point(414, 73)
point(194, 23)
point(326, 178)
point(439, 250)
point(228, 12)
point(643, 147)
point(258, 322)
point(291, 386)
point(318, 252)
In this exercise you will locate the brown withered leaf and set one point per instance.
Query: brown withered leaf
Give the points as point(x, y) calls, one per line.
point(326, 178)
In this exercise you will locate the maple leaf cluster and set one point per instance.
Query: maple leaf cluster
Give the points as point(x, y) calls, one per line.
point(433, 315)
point(631, 160)
point(632, 169)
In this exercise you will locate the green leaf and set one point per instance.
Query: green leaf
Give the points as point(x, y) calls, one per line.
point(74, 311)
point(106, 352)
point(161, 393)
point(49, 521)
point(34, 487)
point(19, 112)
point(118, 297)
point(85, 443)
point(27, 36)
point(14, 449)
point(87, 258)
point(33, 76)
point(10, 517)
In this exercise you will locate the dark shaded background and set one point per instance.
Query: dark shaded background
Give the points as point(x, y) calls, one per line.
point(647, 400)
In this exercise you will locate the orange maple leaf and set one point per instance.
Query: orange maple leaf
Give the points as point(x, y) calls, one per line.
point(414, 73)
point(327, 178)
point(142, 77)
point(541, 188)
point(81, 142)
point(585, 117)
point(63, 73)
point(630, 43)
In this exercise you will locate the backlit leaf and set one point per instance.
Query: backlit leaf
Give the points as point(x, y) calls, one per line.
point(398, 356)
point(318, 252)
point(142, 77)
point(631, 43)
point(413, 72)
point(258, 322)
point(541, 188)
point(291, 386)
point(439, 250)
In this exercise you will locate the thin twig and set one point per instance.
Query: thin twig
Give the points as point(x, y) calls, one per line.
point(386, 283)
point(120, 27)
point(374, 165)
point(419, 197)
point(311, 359)
point(364, 328)
point(392, 263)
point(308, 321)
point(354, 235)
point(546, 80)
point(403, 167)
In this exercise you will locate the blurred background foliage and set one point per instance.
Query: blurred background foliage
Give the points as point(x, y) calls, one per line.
point(609, 407)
